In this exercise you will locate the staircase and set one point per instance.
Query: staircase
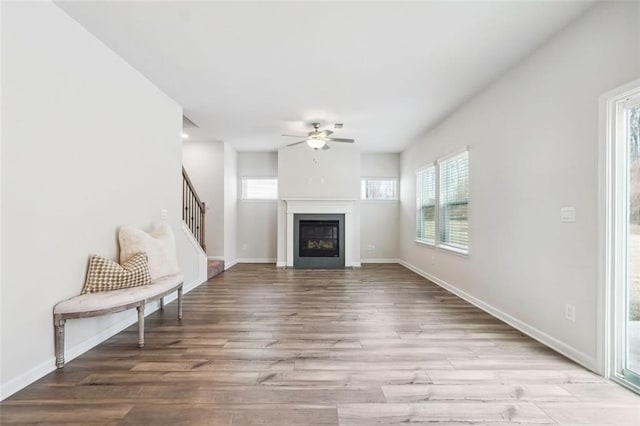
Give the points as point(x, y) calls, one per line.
point(214, 267)
point(193, 215)
point(193, 210)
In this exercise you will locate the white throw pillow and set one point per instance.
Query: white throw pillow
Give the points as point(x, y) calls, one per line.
point(159, 244)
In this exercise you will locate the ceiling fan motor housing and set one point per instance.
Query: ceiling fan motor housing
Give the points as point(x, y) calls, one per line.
point(318, 139)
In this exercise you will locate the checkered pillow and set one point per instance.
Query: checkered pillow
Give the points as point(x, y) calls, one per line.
point(106, 275)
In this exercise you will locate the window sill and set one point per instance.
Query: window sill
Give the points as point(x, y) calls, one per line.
point(425, 243)
point(454, 250)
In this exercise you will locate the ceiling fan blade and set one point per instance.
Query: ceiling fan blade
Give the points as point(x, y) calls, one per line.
point(296, 143)
point(340, 140)
point(325, 147)
point(325, 132)
point(294, 136)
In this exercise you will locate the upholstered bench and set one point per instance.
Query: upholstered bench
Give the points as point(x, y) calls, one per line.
point(108, 302)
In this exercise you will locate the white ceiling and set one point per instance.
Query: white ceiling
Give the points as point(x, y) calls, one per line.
point(247, 72)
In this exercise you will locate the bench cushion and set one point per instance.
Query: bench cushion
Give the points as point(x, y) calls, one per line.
point(113, 299)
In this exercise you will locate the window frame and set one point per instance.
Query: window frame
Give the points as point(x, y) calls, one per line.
point(613, 234)
point(444, 245)
point(380, 200)
point(417, 239)
point(438, 244)
point(242, 196)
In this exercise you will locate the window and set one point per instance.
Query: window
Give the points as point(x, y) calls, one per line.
point(454, 201)
point(378, 189)
point(442, 196)
point(426, 204)
point(259, 189)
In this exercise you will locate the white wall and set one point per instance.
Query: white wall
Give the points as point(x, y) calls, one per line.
point(379, 220)
point(230, 204)
point(88, 145)
point(304, 173)
point(204, 163)
point(331, 174)
point(533, 149)
point(257, 219)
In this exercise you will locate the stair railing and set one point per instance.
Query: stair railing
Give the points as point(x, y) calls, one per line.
point(193, 210)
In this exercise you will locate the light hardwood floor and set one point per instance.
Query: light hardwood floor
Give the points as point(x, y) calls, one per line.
point(378, 345)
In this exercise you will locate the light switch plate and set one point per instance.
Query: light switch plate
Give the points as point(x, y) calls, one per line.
point(568, 214)
point(570, 312)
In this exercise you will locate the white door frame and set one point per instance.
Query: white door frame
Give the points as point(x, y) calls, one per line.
point(610, 194)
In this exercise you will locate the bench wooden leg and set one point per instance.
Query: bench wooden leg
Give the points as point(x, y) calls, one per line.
point(162, 303)
point(58, 324)
point(141, 325)
point(180, 302)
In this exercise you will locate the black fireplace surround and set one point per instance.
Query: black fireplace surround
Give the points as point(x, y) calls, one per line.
point(318, 241)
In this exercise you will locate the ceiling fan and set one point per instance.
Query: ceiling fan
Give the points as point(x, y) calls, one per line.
point(318, 139)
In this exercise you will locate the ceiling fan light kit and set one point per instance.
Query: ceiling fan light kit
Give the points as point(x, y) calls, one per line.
point(316, 143)
point(318, 139)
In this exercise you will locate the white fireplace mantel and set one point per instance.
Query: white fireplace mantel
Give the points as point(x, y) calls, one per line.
point(323, 206)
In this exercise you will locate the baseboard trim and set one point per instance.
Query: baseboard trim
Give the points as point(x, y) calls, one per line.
point(215, 257)
point(257, 260)
point(24, 380)
point(38, 372)
point(230, 264)
point(281, 264)
point(542, 337)
point(380, 260)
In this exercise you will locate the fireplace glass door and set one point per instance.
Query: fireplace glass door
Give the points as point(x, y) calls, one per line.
point(319, 238)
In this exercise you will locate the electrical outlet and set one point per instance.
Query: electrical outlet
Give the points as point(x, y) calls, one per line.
point(433, 260)
point(244, 246)
point(371, 247)
point(570, 312)
point(163, 214)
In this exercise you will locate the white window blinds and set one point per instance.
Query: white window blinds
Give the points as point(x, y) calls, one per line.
point(378, 189)
point(454, 202)
point(259, 188)
point(426, 204)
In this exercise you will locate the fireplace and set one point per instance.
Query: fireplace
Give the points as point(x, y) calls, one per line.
point(319, 238)
point(343, 210)
point(318, 241)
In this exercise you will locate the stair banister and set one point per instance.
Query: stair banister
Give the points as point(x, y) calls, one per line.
point(193, 210)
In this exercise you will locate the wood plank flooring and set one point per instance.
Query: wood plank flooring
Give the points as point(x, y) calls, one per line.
point(378, 345)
